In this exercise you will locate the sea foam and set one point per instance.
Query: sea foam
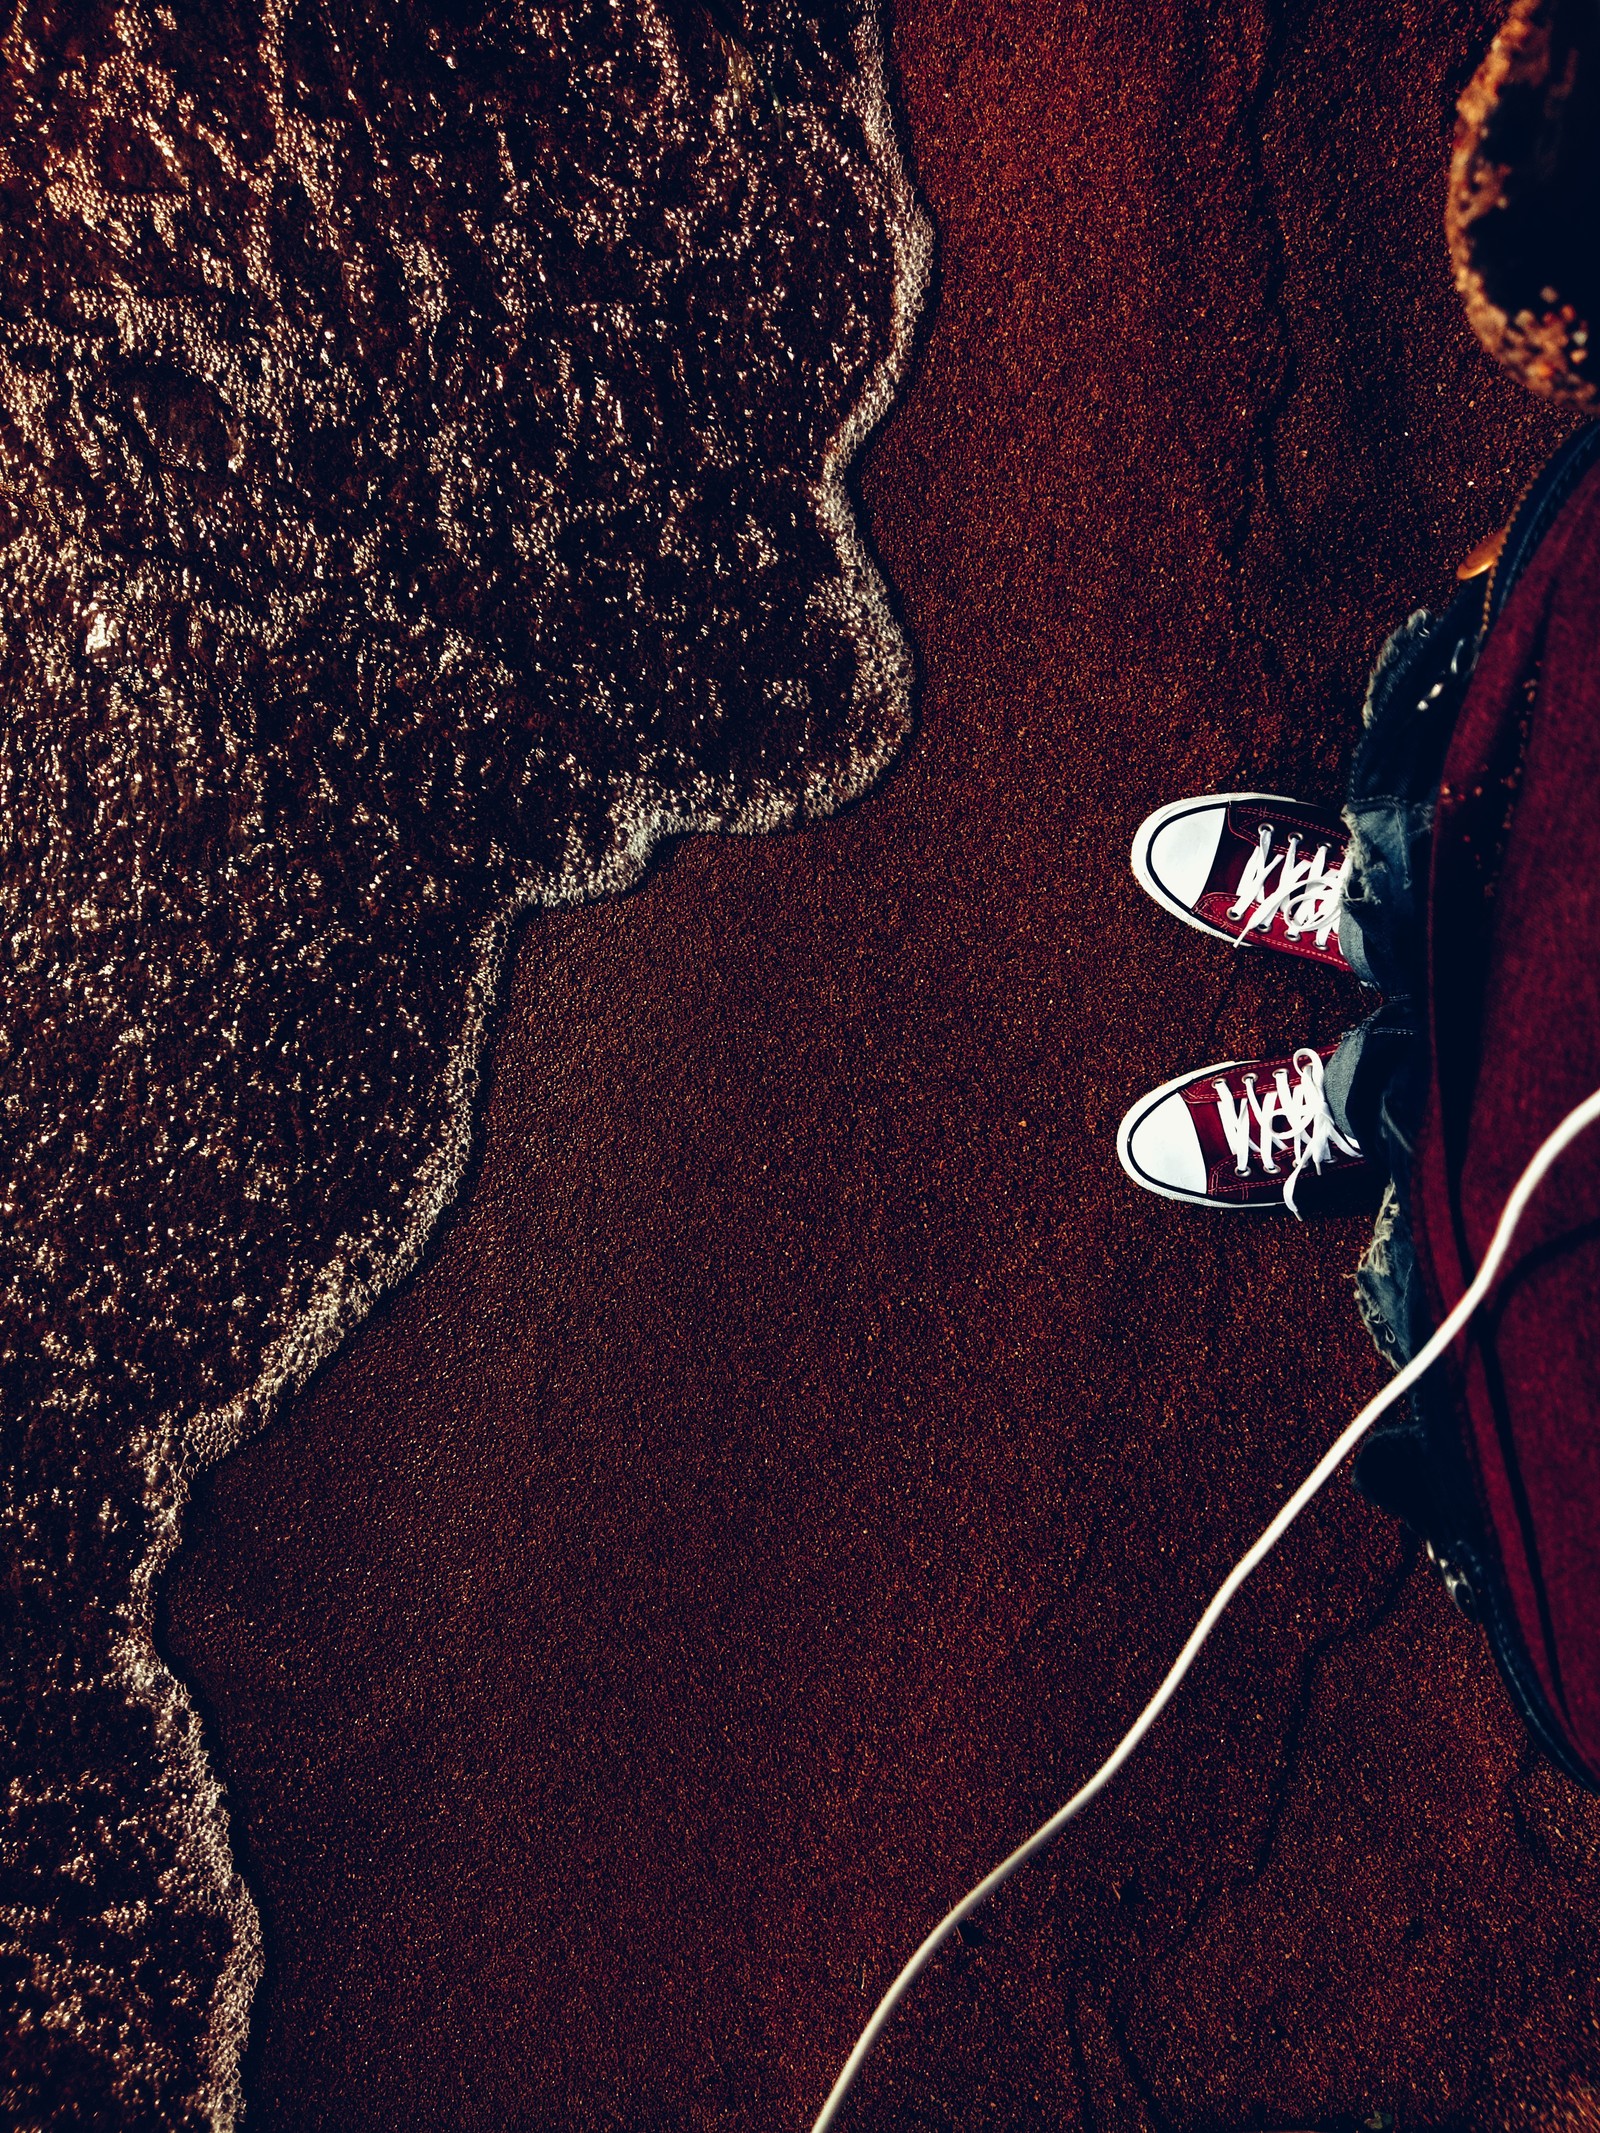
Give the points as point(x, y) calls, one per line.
point(423, 438)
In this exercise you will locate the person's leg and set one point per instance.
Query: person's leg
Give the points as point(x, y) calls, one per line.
point(1376, 1081)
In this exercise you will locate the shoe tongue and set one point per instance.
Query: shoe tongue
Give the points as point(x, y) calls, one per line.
point(1245, 824)
point(1246, 820)
point(1202, 1102)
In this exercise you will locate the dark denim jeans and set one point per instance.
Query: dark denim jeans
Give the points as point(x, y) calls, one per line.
point(1377, 1082)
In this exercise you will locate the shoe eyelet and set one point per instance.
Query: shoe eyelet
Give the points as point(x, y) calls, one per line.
point(1456, 1583)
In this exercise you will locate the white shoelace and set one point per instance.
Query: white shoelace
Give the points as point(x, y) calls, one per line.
point(1308, 892)
point(1289, 1118)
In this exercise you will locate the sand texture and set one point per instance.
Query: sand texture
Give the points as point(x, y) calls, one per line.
point(422, 440)
point(792, 1469)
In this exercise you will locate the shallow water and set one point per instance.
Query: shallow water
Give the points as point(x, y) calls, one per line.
point(421, 490)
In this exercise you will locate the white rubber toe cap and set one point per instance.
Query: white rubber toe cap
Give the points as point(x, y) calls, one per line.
point(1178, 848)
point(1160, 1148)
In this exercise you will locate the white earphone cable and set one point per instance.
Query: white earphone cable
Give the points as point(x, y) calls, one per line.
point(1550, 1150)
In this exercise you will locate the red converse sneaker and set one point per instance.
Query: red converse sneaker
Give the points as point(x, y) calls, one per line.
point(1251, 867)
point(1239, 1134)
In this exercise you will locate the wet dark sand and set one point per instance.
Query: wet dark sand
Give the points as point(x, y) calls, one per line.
point(805, 1451)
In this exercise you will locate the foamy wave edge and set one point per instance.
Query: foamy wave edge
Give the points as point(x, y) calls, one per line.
point(175, 1455)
